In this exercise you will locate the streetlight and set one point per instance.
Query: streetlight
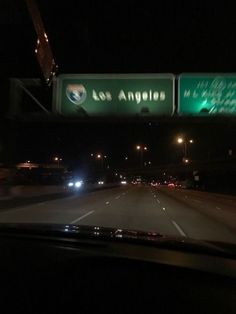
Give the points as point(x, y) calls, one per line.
point(57, 159)
point(141, 148)
point(101, 157)
point(181, 140)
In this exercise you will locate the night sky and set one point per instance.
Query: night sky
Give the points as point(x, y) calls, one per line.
point(122, 36)
point(118, 37)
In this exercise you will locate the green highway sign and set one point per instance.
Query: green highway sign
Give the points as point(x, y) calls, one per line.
point(207, 94)
point(114, 95)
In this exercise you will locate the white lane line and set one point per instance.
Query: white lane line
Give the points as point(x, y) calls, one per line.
point(158, 201)
point(217, 207)
point(163, 208)
point(107, 203)
point(196, 201)
point(178, 228)
point(155, 196)
point(123, 193)
point(117, 197)
point(82, 217)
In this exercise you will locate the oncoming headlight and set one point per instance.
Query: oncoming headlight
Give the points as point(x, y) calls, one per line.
point(78, 184)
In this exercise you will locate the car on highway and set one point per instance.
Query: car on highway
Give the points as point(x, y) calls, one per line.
point(75, 184)
point(171, 185)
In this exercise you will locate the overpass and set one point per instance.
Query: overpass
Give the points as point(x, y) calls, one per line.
point(211, 166)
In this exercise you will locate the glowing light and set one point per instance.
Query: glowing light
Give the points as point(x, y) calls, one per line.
point(78, 184)
point(46, 37)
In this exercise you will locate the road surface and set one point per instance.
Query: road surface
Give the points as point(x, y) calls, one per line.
point(169, 211)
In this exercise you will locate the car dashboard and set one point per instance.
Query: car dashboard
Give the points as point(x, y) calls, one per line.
point(51, 275)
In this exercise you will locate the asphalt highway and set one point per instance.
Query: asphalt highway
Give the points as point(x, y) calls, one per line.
point(169, 211)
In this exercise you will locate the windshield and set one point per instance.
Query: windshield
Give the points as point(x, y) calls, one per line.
point(148, 146)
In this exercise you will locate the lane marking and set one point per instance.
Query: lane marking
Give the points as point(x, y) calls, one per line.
point(163, 208)
point(155, 196)
point(107, 203)
point(40, 204)
point(217, 207)
point(197, 201)
point(123, 193)
point(117, 197)
point(178, 228)
point(80, 218)
point(158, 201)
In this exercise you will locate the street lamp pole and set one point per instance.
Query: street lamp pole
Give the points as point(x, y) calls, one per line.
point(141, 157)
point(100, 156)
point(141, 149)
point(185, 149)
point(185, 142)
point(58, 159)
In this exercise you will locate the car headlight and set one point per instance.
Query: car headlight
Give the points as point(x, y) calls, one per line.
point(70, 184)
point(78, 184)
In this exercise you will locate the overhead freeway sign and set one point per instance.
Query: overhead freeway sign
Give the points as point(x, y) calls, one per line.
point(114, 95)
point(207, 94)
